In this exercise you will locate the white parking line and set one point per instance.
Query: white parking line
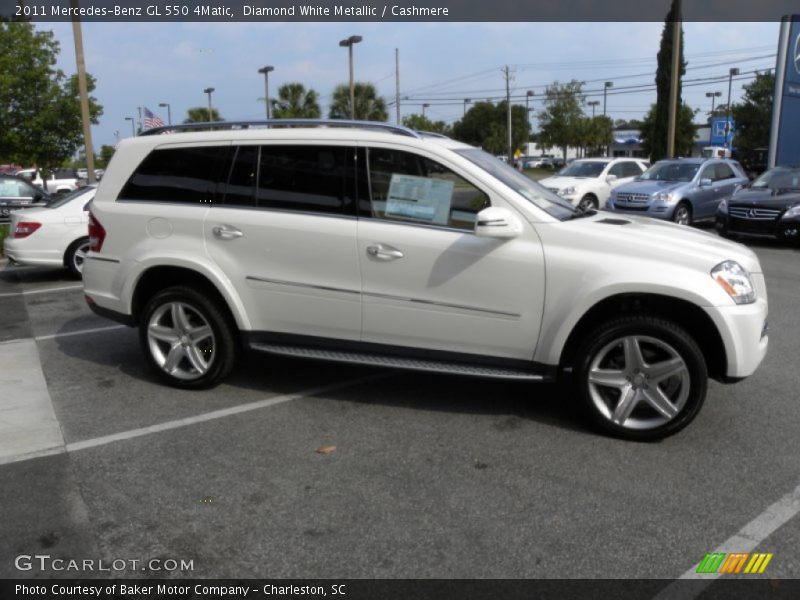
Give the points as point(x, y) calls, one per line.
point(42, 291)
point(745, 540)
point(52, 336)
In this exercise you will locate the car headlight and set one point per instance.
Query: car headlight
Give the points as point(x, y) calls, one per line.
point(792, 213)
point(664, 196)
point(722, 207)
point(735, 280)
point(567, 191)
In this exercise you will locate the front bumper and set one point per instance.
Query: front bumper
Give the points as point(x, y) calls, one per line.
point(744, 333)
point(655, 210)
point(782, 229)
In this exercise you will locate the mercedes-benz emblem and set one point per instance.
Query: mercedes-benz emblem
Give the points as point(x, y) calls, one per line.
point(751, 213)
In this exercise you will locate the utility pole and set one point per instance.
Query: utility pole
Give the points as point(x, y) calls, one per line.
point(675, 80)
point(397, 82)
point(733, 71)
point(84, 94)
point(507, 73)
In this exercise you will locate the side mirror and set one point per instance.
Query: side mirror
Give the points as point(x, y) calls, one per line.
point(611, 178)
point(705, 182)
point(497, 222)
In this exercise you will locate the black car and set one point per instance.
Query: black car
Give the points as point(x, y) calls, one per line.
point(770, 206)
point(17, 192)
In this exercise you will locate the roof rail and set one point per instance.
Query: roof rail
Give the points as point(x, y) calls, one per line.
point(269, 123)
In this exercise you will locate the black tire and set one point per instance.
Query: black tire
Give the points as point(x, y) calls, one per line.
point(589, 202)
point(73, 258)
point(223, 343)
point(652, 336)
point(677, 214)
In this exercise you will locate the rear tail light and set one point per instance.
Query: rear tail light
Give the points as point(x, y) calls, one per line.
point(97, 234)
point(25, 228)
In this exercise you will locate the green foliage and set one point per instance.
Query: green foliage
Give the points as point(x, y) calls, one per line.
point(199, 114)
point(656, 122)
point(753, 116)
point(420, 123)
point(594, 133)
point(486, 125)
point(295, 102)
point(106, 152)
point(369, 106)
point(40, 115)
point(3, 235)
point(562, 122)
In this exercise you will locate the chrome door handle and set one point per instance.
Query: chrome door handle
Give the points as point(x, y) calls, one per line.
point(226, 232)
point(384, 252)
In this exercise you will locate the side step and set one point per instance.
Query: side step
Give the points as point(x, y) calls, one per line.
point(398, 362)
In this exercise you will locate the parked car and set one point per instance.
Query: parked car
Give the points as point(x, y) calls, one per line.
point(375, 244)
point(537, 162)
point(57, 181)
point(16, 192)
point(54, 235)
point(770, 206)
point(587, 182)
point(683, 190)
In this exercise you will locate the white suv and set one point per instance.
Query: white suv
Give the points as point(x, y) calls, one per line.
point(369, 243)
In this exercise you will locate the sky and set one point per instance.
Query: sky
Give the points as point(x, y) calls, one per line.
point(441, 64)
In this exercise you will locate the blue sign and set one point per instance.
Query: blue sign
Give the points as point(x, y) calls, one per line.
point(719, 135)
point(784, 139)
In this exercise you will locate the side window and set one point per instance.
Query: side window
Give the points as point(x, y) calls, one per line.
point(13, 188)
point(618, 170)
point(183, 175)
point(631, 169)
point(240, 187)
point(306, 178)
point(708, 173)
point(412, 188)
point(723, 171)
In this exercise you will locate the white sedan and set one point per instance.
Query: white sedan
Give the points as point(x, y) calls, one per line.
point(55, 235)
point(587, 183)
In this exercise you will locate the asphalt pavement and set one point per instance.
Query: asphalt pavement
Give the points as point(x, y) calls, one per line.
point(304, 469)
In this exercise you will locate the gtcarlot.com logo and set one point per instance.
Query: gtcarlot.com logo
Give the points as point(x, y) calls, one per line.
point(45, 562)
point(734, 562)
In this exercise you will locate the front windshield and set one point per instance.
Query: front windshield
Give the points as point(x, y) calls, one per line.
point(671, 171)
point(779, 179)
point(579, 168)
point(62, 200)
point(529, 189)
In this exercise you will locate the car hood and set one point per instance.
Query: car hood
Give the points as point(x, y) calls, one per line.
point(650, 187)
point(777, 199)
point(660, 240)
point(562, 182)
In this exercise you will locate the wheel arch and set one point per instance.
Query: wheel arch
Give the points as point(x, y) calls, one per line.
point(689, 316)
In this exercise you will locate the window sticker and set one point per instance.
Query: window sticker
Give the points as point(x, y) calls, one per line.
point(419, 198)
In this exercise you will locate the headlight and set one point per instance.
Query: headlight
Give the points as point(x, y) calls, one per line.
point(792, 213)
point(722, 207)
point(733, 278)
point(664, 196)
point(567, 191)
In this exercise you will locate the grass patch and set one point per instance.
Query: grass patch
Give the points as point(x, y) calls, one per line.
point(537, 174)
point(4, 227)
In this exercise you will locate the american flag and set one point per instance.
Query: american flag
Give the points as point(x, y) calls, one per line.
point(151, 120)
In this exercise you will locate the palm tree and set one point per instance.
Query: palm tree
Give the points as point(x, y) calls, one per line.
point(369, 106)
point(294, 102)
point(199, 114)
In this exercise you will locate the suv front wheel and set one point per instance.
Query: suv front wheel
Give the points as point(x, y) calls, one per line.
point(187, 339)
point(640, 378)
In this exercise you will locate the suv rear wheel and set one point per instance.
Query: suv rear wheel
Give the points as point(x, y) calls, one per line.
point(187, 339)
point(640, 378)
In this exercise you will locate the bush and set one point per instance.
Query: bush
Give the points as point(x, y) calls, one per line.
point(3, 233)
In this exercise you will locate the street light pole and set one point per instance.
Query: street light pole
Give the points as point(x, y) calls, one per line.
point(348, 43)
point(593, 103)
point(133, 127)
point(169, 113)
point(528, 95)
point(733, 71)
point(266, 71)
point(713, 96)
point(424, 106)
point(466, 101)
point(208, 91)
point(605, 94)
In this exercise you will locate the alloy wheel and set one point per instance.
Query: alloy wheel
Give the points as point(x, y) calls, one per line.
point(181, 340)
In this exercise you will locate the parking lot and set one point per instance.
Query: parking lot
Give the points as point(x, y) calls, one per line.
point(303, 469)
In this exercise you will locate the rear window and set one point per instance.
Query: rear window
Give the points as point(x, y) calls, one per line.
point(177, 175)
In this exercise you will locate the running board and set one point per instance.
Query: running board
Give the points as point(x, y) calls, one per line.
point(398, 362)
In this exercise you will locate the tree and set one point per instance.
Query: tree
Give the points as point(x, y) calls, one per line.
point(596, 133)
point(106, 152)
point(753, 116)
point(369, 106)
point(295, 102)
point(420, 123)
point(655, 124)
point(486, 125)
point(561, 121)
point(625, 124)
point(199, 114)
point(40, 115)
